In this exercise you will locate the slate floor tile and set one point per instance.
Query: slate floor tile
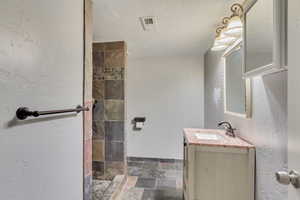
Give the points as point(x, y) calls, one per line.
point(133, 194)
point(149, 194)
point(167, 160)
point(166, 184)
point(155, 173)
point(99, 187)
point(137, 159)
point(146, 183)
point(135, 171)
point(150, 165)
point(173, 174)
point(160, 179)
point(135, 164)
point(162, 194)
point(169, 166)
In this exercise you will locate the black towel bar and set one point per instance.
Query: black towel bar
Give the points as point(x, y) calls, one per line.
point(23, 112)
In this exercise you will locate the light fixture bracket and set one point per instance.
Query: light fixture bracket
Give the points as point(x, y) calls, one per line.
point(237, 10)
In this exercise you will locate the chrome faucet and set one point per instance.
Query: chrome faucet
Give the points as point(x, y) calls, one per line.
point(228, 128)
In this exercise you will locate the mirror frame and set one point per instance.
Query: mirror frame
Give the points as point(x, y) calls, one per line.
point(279, 40)
point(248, 85)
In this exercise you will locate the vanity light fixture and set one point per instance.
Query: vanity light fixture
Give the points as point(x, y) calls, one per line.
point(230, 30)
point(234, 24)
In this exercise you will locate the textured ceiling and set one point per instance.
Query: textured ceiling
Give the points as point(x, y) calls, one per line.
point(185, 27)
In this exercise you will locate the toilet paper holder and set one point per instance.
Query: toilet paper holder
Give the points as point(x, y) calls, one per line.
point(138, 122)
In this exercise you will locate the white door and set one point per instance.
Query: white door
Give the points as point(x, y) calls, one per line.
point(294, 92)
point(41, 67)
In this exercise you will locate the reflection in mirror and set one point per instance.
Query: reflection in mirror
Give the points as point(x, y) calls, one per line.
point(235, 98)
point(259, 35)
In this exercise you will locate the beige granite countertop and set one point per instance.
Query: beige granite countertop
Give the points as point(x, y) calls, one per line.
point(224, 141)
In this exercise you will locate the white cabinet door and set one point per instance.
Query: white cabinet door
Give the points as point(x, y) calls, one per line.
point(294, 92)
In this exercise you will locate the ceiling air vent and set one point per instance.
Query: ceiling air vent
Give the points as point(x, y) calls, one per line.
point(148, 23)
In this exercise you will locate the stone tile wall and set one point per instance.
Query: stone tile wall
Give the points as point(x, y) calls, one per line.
point(109, 60)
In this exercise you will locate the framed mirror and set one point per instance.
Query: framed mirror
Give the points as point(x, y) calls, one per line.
point(237, 90)
point(264, 37)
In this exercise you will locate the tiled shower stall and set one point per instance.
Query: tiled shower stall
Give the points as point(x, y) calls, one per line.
point(109, 155)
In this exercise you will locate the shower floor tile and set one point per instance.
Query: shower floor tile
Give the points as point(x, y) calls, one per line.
point(99, 188)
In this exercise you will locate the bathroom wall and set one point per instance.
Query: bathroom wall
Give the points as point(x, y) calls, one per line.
point(41, 67)
point(109, 60)
point(168, 91)
point(267, 129)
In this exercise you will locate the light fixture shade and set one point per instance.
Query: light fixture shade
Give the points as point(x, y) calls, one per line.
point(224, 39)
point(219, 47)
point(234, 27)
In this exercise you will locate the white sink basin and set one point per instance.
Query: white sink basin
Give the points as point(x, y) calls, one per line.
point(207, 136)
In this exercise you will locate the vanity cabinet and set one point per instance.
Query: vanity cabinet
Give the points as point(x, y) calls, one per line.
point(221, 168)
